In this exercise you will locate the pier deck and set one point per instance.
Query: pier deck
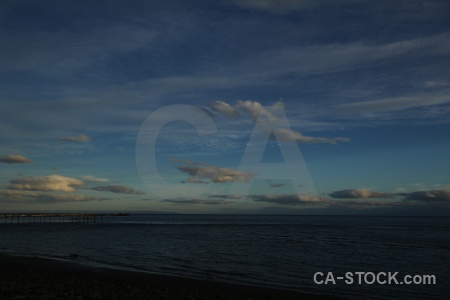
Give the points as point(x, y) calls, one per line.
point(17, 218)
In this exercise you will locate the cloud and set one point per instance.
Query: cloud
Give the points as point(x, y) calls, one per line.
point(436, 83)
point(225, 109)
point(193, 180)
point(288, 135)
point(196, 201)
point(413, 198)
point(435, 195)
point(256, 110)
point(120, 189)
point(46, 183)
point(259, 113)
point(76, 138)
point(296, 200)
point(319, 58)
point(19, 196)
point(359, 193)
point(14, 159)
point(215, 174)
point(291, 199)
point(94, 179)
point(393, 104)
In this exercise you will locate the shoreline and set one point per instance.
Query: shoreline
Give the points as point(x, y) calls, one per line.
point(37, 278)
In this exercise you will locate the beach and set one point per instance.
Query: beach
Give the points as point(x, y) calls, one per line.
point(41, 278)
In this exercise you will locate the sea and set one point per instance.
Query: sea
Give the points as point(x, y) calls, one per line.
point(286, 252)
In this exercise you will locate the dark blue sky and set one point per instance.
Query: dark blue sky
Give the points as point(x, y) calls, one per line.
point(364, 87)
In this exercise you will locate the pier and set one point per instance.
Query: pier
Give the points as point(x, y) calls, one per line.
point(32, 218)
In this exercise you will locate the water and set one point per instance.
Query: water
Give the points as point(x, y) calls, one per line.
point(278, 251)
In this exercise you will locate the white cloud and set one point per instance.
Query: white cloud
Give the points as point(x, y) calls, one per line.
point(268, 119)
point(46, 183)
point(76, 138)
point(288, 135)
point(225, 109)
point(256, 110)
point(14, 159)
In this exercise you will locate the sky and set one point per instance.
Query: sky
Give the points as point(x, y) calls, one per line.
point(228, 106)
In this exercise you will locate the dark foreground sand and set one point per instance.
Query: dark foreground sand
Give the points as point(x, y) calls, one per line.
point(38, 278)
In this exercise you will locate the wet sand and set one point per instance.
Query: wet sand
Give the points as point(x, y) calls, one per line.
point(39, 278)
